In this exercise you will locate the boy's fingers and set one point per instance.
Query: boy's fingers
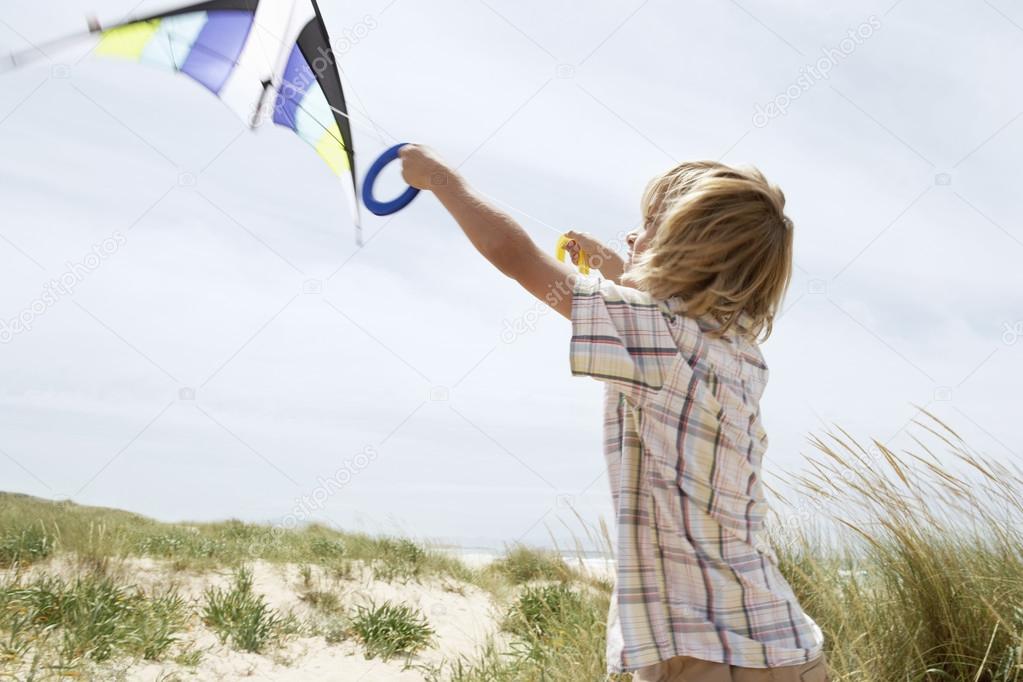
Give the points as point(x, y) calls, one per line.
point(573, 251)
point(584, 240)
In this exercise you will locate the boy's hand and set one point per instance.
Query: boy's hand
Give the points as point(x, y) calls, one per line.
point(601, 257)
point(422, 168)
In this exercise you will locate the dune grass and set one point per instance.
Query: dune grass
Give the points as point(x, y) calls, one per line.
point(241, 617)
point(92, 617)
point(557, 635)
point(24, 546)
point(924, 576)
point(523, 565)
point(126, 623)
point(910, 561)
point(388, 630)
point(32, 529)
point(540, 611)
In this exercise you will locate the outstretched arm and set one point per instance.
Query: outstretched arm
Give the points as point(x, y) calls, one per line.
point(494, 233)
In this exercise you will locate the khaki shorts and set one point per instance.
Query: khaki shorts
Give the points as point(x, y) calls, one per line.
point(685, 669)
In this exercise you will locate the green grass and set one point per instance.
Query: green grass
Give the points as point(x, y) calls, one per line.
point(241, 617)
point(911, 562)
point(326, 548)
point(388, 630)
point(540, 612)
point(24, 546)
point(322, 600)
point(558, 636)
point(399, 559)
point(32, 529)
point(523, 565)
point(89, 618)
point(490, 663)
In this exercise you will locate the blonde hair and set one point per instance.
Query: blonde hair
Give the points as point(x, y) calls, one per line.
point(723, 245)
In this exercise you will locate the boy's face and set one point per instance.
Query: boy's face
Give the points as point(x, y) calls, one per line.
point(640, 239)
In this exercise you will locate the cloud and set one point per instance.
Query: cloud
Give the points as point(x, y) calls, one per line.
point(903, 289)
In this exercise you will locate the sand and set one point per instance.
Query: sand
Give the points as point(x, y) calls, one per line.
point(462, 615)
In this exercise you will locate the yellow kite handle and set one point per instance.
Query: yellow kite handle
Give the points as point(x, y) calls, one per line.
point(584, 260)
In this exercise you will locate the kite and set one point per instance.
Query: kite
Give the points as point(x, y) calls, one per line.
point(265, 59)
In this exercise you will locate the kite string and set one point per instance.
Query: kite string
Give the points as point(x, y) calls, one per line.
point(381, 131)
point(377, 131)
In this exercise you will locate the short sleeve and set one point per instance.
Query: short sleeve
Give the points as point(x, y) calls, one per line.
point(620, 336)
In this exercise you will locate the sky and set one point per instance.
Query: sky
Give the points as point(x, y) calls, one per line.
point(224, 350)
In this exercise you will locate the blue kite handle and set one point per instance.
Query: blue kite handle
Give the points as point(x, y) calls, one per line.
point(385, 207)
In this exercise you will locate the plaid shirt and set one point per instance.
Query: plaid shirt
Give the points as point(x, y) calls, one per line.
point(684, 443)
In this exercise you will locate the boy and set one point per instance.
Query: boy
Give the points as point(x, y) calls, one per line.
point(673, 334)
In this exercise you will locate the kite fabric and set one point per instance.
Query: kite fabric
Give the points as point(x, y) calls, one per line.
point(263, 58)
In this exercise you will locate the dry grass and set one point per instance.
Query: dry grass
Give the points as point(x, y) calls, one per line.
point(911, 562)
point(920, 575)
